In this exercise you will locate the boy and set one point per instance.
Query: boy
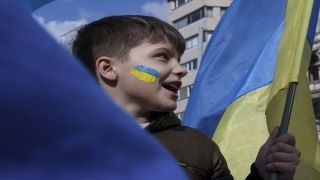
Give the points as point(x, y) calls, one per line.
point(135, 59)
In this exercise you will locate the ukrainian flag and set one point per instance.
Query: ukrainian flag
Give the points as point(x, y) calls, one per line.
point(145, 73)
point(257, 49)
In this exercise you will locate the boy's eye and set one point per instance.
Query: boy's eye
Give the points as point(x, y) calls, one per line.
point(163, 56)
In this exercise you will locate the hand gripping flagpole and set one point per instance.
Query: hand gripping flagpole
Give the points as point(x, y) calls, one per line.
point(285, 118)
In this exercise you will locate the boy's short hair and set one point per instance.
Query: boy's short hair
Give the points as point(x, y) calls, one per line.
point(115, 36)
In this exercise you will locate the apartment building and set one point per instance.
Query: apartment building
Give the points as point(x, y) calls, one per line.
point(196, 20)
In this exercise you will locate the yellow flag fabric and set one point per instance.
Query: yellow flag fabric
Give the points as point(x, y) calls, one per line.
point(267, 104)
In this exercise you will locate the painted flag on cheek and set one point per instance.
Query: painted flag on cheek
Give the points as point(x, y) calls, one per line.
point(145, 73)
point(257, 49)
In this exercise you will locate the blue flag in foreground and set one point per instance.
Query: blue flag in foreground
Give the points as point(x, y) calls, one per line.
point(257, 49)
point(56, 122)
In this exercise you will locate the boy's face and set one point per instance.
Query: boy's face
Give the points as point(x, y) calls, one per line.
point(151, 77)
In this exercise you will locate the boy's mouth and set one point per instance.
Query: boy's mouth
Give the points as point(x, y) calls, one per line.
point(173, 86)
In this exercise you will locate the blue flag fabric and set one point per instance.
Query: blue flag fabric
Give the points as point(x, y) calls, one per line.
point(56, 122)
point(227, 71)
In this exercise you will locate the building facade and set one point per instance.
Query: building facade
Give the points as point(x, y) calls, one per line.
point(196, 20)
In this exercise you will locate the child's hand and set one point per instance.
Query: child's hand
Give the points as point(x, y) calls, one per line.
point(278, 154)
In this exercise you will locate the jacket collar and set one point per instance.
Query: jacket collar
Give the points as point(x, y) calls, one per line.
point(162, 120)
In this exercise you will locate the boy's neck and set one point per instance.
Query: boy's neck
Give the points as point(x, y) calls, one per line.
point(142, 120)
point(140, 117)
point(136, 112)
point(129, 105)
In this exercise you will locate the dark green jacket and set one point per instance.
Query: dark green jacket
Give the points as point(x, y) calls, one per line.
point(195, 151)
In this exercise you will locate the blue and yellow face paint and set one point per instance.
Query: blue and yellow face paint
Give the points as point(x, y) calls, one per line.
point(145, 73)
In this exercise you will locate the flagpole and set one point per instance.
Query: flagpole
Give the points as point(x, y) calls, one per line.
point(285, 118)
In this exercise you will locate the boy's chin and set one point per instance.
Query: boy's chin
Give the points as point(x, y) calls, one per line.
point(169, 108)
point(165, 106)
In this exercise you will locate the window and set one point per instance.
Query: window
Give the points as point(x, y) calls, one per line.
point(178, 3)
point(180, 115)
point(191, 42)
point(222, 11)
point(207, 35)
point(193, 17)
point(313, 74)
point(181, 23)
point(184, 92)
point(190, 65)
point(209, 12)
point(313, 70)
point(196, 15)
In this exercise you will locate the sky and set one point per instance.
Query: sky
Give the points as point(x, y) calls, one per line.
point(62, 16)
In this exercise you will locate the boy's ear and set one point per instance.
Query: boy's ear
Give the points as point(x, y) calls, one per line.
point(105, 67)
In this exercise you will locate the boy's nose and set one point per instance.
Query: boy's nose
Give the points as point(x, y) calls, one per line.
point(180, 71)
